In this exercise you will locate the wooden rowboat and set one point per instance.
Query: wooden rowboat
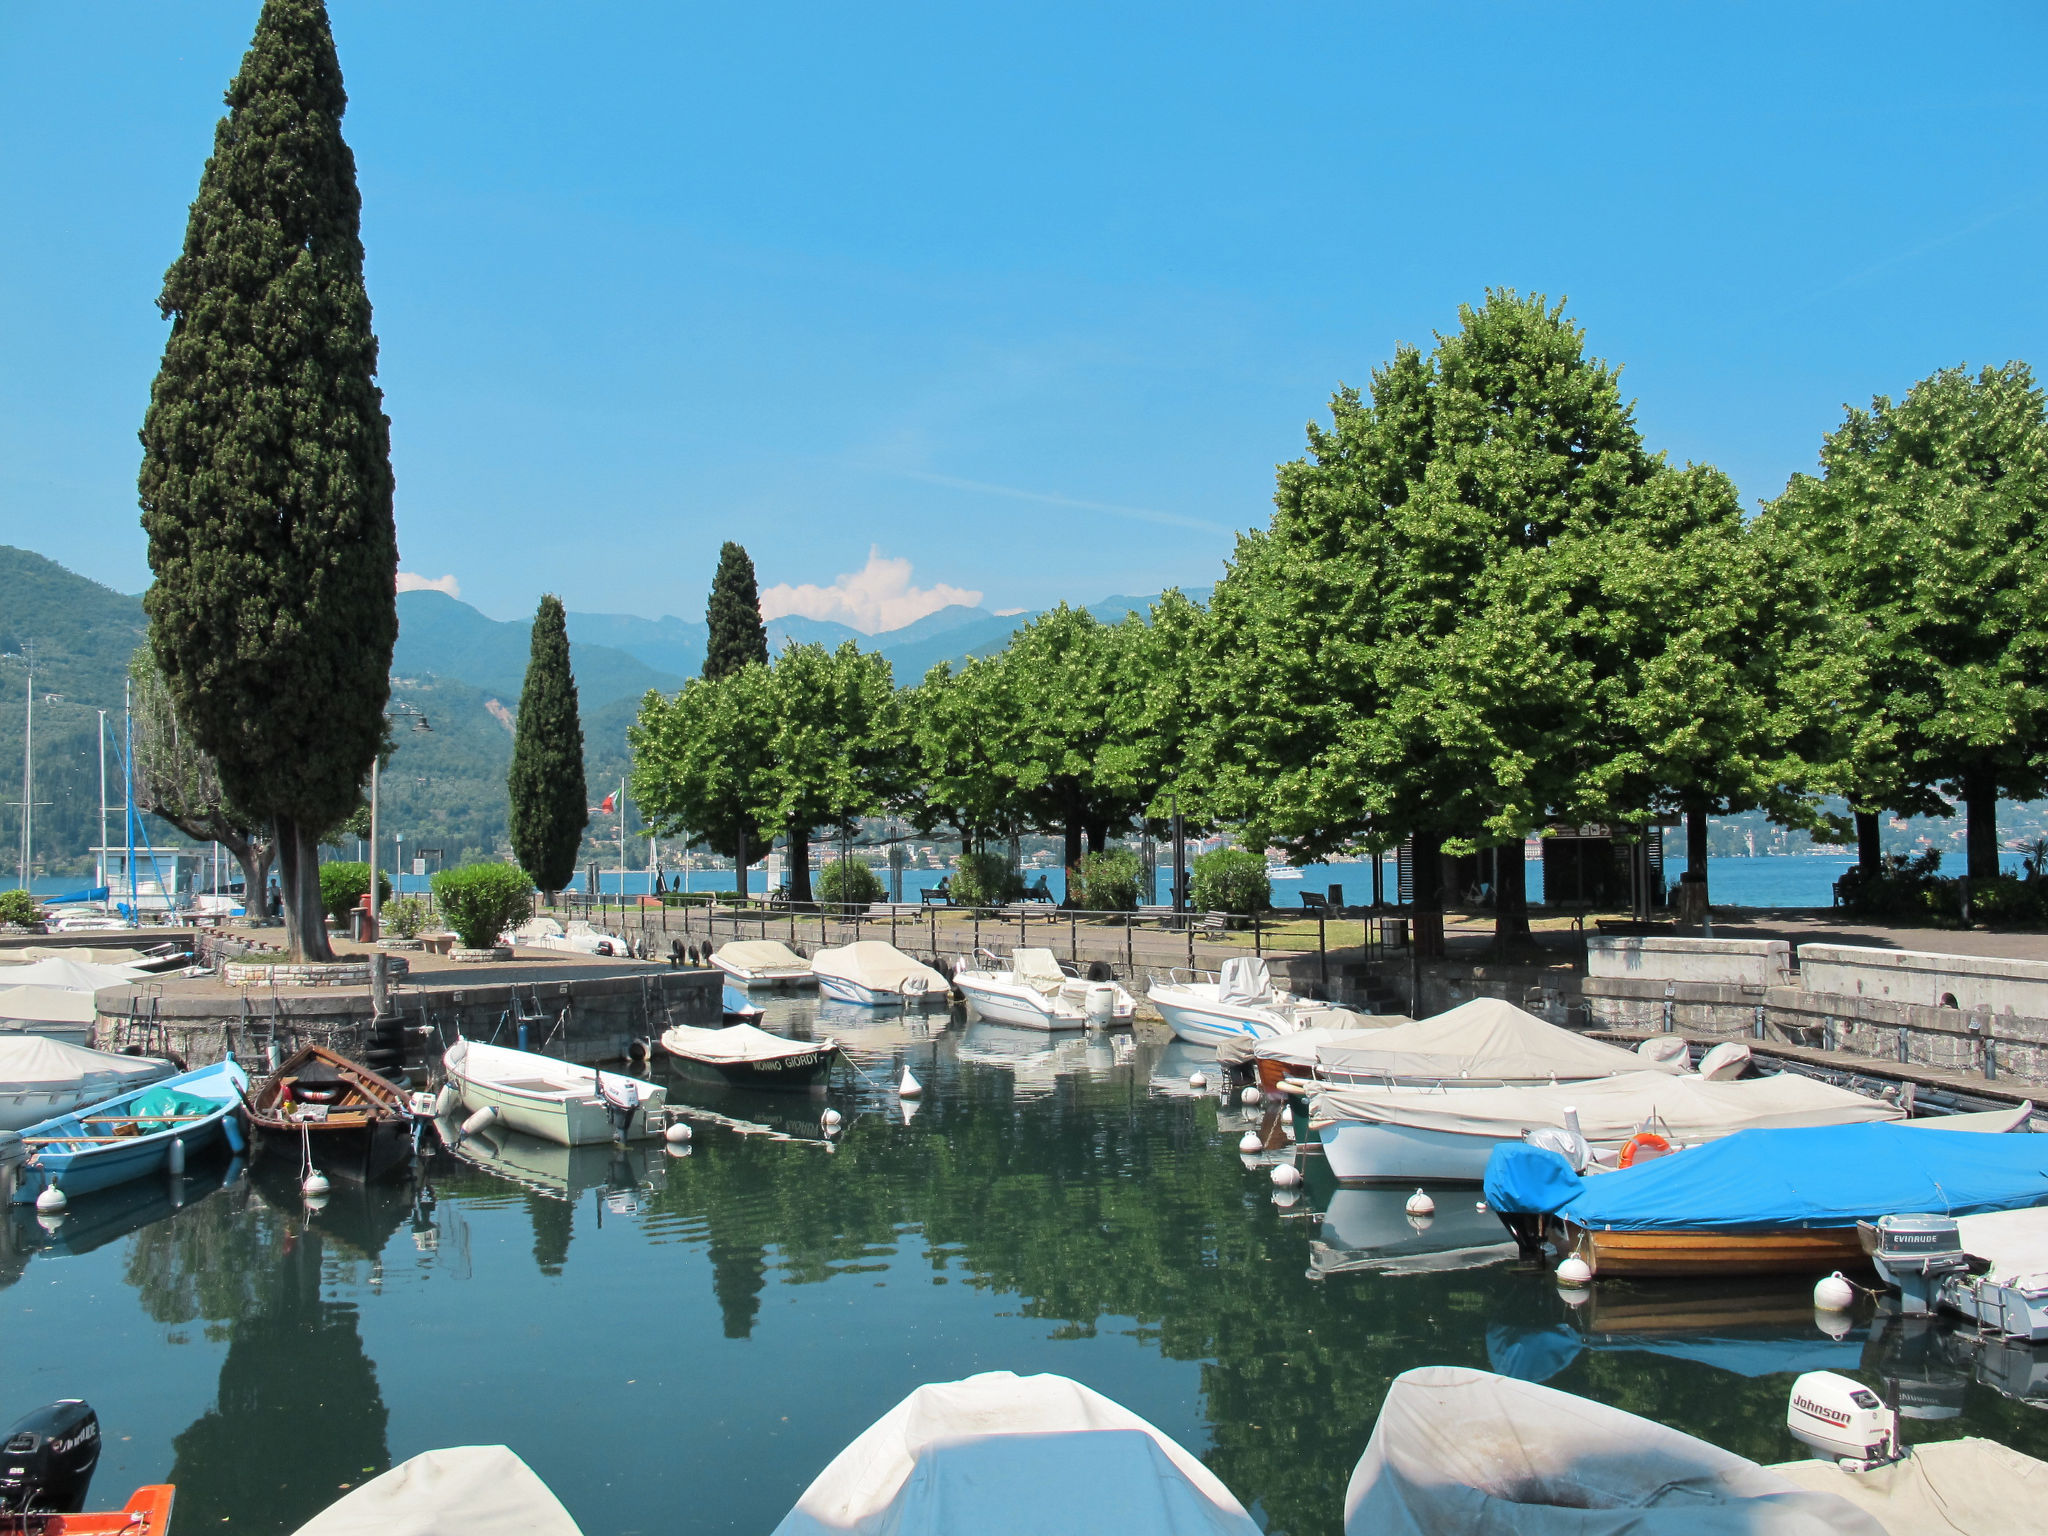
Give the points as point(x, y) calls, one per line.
point(1786, 1251)
point(355, 1122)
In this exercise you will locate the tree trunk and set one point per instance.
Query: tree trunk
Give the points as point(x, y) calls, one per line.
point(1071, 859)
point(800, 864)
point(1869, 847)
point(1098, 836)
point(1429, 895)
point(1510, 895)
point(253, 854)
point(1980, 797)
point(739, 864)
point(1696, 842)
point(298, 869)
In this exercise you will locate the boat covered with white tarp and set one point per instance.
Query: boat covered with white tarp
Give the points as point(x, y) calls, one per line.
point(1484, 1043)
point(876, 975)
point(70, 975)
point(1940, 1488)
point(466, 1490)
point(1465, 1450)
point(763, 963)
point(41, 1078)
point(746, 1056)
point(1405, 1133)
point(50, 1011)
point(1005, 1455)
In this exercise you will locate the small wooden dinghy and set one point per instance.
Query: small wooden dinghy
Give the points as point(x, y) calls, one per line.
point(134, 1134)
point(1465, 1450)
point(1006, 1455)
point(355, 1122)
point(748, 1057)
point(558, 1101)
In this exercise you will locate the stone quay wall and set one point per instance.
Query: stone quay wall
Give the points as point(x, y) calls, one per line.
point(592, 1019)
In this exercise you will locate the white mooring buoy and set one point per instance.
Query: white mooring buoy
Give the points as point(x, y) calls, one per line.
point(1249, 1098)
point(314, 1186)
point(486, 1116)
point(51, 1199)
point(1419, 1204)
point(1249, 1143)
point(1285, 1175)
point(910, 1087)
point(176, 1160)
point(447, 1101)
point(830, 1121)
point(1834, 1294)
point(677, 1133)
point(1198, 1081)
point(1573, 1271)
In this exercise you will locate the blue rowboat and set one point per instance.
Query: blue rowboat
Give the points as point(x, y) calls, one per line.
point(132, 1135)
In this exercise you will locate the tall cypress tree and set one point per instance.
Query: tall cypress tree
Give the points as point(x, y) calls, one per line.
point(266, 471)
point(549, 805)
point(734, 616)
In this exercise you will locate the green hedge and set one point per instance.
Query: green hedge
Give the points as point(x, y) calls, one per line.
point(985, 880)
point(1231, 880)
point(18, 907)
point(481, 900)
point(342, 886)
point(848, 882)
point(1109, 881)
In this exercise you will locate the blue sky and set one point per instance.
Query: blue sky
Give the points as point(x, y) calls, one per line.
point(1031, 298)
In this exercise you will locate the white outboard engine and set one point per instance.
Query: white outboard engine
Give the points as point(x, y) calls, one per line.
point(47, 1459)
point(621, 1101)
point(1101, 1004)
point(1843, 1419)
point(1915, 1254)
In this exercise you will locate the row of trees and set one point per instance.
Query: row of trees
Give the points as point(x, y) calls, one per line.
point(1483, 605)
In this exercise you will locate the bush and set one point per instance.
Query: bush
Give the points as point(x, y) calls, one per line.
point(985, 880)
point(406, 917)
point(481, 900)
point(1905, 887)
point(18, 907)
point(850, 882)
point(2005, 901)
point(1109, 881)
point(1231, 880)
point(342, 886)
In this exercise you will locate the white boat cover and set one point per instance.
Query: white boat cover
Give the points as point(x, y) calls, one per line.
point(1996, 1120)
point(764, 955)
point(1469, 1451)
point(733, 1044)
point(1245, 981)
point(466, 1490)
point(1037, 968)
point(91, 954)
point(1664, 1048)
point(2016, 1243)
point(1966, 1487)
point(1333, 1026)
point(46, 1005)
point(69, 975)
point(1611, 1109)
point(33, 1063)
point(883, 967)
point(1006, 1455)
point(1487, 1039)
point(1725, 1062)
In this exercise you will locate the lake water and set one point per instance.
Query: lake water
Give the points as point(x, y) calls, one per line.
point(679, 1344)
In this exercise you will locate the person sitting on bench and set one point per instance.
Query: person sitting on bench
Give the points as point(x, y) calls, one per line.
point(942, 893)
point(1039, 892)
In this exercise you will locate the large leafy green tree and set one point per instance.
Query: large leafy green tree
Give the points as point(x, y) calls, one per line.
point(1929, 523)
point(550, 805)
point(737, 636)
point(266, 475)
point(180, 782)
point(836, 751)
point(703, 763)
point(1062, 673)
point(959, 732)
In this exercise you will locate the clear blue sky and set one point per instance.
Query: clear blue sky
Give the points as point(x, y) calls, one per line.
point(1031, 297)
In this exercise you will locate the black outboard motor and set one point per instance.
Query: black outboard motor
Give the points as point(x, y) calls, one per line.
point(47, 1459)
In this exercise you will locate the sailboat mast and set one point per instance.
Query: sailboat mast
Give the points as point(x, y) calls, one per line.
point(28, 770)
point(102, 881)
point(128, 773)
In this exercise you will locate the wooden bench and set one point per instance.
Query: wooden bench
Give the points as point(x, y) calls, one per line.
point(1039, 892)
point(1311, 902)
point(937, 895)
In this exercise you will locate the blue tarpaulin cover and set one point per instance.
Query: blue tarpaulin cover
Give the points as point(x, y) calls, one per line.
point(1822, 1176)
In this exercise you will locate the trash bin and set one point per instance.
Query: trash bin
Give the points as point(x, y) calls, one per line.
point(1394, 932)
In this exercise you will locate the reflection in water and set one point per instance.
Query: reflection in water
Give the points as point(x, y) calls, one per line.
point(657, 1332)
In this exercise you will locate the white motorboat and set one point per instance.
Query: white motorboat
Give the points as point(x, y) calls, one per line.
point(466, 1490)
point(877, 975)
point(1992, 1268)
point(558, 1101)
point(580, 937)
point(42, 1078)
point(1034, 991)
point(1006, 1455)
point(1464, 1450)
point(52, 1012)
point(763, 963)
point(1437, 1133)
point(1486, 1043)
point(748, 1057)
point(1241, 1001)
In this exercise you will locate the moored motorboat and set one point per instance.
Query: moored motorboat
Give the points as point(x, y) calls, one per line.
point(134, 1134)
point(1759, 1202)
point(737, 1008)
point(46, 1476)
point(748, 1057)
point(1406, 1134)
point(876, 975)
point(1991, 1268)
point(559, 1101)
point(1465, 1450)
point(1034, 991)
point(42, 1077)
point(1239, 1001)
point(1004, 1455)
point(763, 963)
point(465, 1490)
point(351, 1120)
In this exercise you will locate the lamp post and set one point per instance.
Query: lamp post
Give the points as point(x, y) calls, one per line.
point(419, 723)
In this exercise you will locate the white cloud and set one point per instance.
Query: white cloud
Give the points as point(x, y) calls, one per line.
point(876, 598)
point(411, 581)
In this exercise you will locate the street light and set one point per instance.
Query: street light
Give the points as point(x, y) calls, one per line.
point(419, 723)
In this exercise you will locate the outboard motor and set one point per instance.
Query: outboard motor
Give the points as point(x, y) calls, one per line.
point(47, 1459)
point(1915, 1254)
point(1843, 1419)
point(621, 1101)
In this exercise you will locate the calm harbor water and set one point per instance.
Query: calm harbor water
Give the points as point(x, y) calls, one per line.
point(679, 1344)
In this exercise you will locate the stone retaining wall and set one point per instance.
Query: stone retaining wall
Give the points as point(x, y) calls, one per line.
point(1729, 962)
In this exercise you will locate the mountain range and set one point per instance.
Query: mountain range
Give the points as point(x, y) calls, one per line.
point(455, 667)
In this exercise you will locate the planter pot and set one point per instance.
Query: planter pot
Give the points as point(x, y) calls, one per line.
point(480, 956)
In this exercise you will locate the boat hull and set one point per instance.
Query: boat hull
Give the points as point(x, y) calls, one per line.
point(1209, 1024)
point(1001, 1006)
point(1809, 1251)
point(846, 990)
point(741, 976)
point(791, 1072)
point(81, 1167)
point(578, 1122)
point(366, 1152)
point(1366, 1151)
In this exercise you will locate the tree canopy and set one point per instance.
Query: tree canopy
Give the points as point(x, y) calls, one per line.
point(737, 636)
point(549, 802)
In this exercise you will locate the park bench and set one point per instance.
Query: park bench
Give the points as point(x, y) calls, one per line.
point(937, 895)
point(1039, 892)
point(1311, 902)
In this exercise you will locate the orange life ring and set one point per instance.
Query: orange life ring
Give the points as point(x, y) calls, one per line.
point(1644, 1144)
